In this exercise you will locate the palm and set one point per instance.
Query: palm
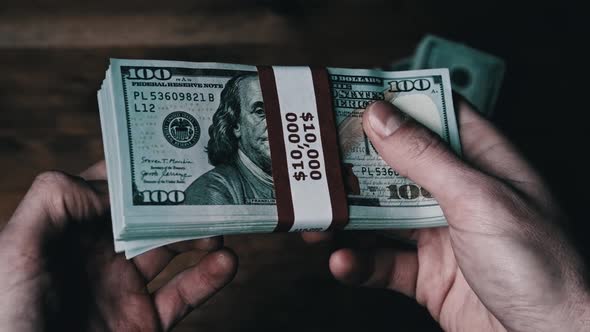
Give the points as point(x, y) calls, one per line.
point(442, 288)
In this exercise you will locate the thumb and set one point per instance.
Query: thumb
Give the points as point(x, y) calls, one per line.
point(417, 153)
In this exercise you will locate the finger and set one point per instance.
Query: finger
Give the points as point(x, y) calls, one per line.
point(207, 244)
point(97, 171)
point(100, 188)
point(406, 234)
point(353, 239)
point(151, 263)
point(399, 239)
point(417, 153)
point(488, 149)
point(383, 268)
point(194, 286)
point(56, 198)
point(316, 237)
point(403, 235)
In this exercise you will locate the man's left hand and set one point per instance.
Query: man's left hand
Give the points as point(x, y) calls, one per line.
point(59, 271)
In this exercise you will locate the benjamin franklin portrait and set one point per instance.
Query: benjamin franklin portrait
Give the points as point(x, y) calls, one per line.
point(238, 148)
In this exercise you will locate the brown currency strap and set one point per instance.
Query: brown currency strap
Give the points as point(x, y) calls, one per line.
point(306, 168)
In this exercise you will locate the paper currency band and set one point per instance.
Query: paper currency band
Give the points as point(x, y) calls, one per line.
point(306, 169)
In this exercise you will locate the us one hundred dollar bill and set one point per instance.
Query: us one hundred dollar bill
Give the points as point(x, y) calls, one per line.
point(189, 154)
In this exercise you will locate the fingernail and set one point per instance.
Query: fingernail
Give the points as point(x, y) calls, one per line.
point(384, 119)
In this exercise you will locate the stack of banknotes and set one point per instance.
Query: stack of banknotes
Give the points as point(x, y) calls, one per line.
point(201, 149)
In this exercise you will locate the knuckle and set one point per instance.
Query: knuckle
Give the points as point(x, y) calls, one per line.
point(186, 293)
point(494, 204)
point(52, 188)
point(421, 142)
point(209, 282)
point(52, 182)
point(480, 194)
point(185, 296)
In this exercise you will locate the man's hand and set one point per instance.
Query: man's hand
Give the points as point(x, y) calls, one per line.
point(59, 272)
point(503, 263)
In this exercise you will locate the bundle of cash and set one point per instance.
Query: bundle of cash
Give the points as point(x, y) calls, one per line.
point(475, 75)
point(201, 149)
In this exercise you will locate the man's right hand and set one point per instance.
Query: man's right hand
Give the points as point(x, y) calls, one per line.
point(503, 263)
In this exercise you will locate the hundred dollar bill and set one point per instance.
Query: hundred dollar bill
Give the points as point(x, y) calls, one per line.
point(188, 151)
point(423, 95)
point(475, 75)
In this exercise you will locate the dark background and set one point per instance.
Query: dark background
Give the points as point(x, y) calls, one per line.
point(53, 55)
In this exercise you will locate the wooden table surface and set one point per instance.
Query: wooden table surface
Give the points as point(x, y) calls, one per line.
point(53, 58)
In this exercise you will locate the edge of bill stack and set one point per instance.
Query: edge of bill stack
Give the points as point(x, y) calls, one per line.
point(202, 149)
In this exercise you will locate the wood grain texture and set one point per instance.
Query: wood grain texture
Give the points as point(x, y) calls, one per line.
point(357, 25)
point(83, 31)
point(53, 56)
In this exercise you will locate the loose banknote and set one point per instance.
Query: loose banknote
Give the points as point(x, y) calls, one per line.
point(199, 149)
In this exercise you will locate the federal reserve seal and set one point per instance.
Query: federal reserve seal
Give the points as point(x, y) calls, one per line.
point(181, 130)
